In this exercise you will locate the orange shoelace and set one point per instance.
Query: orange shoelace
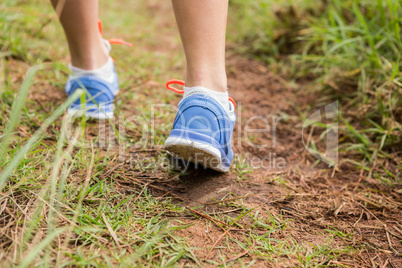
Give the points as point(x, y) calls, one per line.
point(113, 41)
point(181, 91)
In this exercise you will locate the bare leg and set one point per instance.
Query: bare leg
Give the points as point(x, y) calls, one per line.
point(202, 26)
point(79, 19)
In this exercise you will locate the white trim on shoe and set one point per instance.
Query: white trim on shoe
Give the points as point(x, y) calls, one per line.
point(95, 115)
point(196, 152)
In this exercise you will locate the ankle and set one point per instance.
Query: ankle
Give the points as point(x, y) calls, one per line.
point(89, 62)
point(216, 81)
point(91, 59)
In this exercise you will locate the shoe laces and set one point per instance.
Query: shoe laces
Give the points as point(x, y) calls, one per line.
point(181, 91)
point(113, 41)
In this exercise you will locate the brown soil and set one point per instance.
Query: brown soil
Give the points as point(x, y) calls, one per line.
point(304, 199)
point(309, 200)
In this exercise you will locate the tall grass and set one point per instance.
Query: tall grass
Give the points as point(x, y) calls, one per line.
point(55, 211)
point(350, 50)
point(61, 205)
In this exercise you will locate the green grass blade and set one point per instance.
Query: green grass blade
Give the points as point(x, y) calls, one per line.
point(16, 160)
point(38, 248)
point(18, 106)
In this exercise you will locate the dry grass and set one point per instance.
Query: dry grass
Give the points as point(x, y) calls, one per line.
point(107, 204)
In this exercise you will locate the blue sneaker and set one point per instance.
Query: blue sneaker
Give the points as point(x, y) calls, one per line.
point(100, 93)
point(99, 96)
point(202, 131)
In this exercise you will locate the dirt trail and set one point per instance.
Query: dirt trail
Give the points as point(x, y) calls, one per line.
point(308, 200)
point(302, 205)
point(250, 83)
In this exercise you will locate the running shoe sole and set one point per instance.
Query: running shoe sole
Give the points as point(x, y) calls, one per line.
point(97, 114)
point(196, 152)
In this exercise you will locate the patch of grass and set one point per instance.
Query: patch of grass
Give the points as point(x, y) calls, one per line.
point(241, 167)
point(350, 50)
point(67, 205)
point(67, 212)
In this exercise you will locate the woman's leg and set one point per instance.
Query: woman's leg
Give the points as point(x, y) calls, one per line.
point(79, 19)
point(202, 26)
point(203, 127)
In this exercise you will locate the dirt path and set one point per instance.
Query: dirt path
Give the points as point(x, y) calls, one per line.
point(285, 207)
point(357, 218)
